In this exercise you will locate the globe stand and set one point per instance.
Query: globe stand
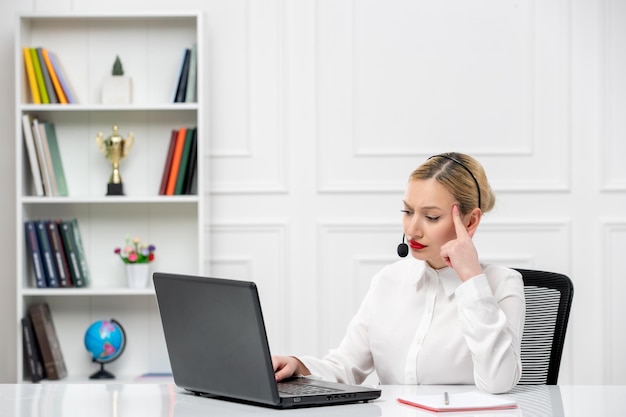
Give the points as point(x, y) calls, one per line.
point(102, 374)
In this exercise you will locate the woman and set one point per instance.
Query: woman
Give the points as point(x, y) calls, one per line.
point(439, 316)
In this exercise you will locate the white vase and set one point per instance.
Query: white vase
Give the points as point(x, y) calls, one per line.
point(117, 89)
point(137, 275)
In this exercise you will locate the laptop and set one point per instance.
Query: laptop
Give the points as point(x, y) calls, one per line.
point(217, 346)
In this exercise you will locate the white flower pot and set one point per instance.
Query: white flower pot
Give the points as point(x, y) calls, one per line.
point(137, 275)
point(117, 89)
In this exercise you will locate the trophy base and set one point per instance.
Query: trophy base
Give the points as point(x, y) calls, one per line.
point(115, 189)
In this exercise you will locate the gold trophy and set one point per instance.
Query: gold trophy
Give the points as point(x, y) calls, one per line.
point(115, 148)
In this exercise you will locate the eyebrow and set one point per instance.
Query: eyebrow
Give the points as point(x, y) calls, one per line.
point(422, 208)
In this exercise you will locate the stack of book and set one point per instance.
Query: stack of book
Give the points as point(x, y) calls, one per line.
point(186, 82)
point(44, 157)
point(179, 170)
point(56, 253)
point(47, 81)
point(42, 352)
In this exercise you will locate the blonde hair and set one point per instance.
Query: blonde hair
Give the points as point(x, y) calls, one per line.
point(463, 176)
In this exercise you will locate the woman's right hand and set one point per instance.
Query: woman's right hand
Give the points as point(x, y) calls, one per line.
point(288, 366)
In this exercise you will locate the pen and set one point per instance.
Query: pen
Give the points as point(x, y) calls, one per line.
point(446, 398)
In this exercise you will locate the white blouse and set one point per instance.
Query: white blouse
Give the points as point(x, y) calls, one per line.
point(418, 325)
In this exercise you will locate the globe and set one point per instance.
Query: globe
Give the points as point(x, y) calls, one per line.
point(105, 340)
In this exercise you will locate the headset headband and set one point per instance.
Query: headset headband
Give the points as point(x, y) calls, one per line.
point(464, 167)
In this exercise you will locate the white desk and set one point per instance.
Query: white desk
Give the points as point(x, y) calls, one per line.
point(167, 400)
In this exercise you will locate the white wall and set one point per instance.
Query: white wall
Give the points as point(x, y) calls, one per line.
point(318, 110)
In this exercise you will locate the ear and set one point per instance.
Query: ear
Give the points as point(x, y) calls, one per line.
point(472, 220)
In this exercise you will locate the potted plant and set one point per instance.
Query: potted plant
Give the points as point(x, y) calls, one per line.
point(136, 257)
point(117, 88)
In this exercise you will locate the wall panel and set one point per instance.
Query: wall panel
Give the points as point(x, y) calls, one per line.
point(495, 88)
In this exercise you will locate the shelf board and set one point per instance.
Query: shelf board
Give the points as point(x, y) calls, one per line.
point(87, 291)
point(160, 199)
point(40, 108)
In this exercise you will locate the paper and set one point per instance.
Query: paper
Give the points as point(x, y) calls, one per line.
point(463, 401)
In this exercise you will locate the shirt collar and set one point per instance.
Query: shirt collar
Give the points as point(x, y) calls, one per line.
point(449, 279)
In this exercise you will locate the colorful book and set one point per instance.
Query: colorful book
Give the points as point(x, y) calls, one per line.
point(178, 153)
point(49, 263)
point(33, 159)
point(32, 247)
point(63, 80)
point(39, 76)
point(58, 251)
point(192, 166)
point(43, 160)
point(168, 162)
point(32, 355)
point(55, 157)
point(48, 340)
point(30, 75)
point(80, 250)
point(184, 162)
point(192, 77)
point(54, 78)
point(52, 95)
point(66, 229)
point(184, 76)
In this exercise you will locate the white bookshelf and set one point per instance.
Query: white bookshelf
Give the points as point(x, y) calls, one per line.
point(150, 47)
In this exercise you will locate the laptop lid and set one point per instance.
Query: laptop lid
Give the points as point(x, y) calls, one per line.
point(217, 343)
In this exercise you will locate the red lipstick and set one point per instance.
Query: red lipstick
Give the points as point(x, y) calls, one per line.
point(416, 245)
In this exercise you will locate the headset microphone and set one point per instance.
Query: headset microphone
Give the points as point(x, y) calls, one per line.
point(403, 248)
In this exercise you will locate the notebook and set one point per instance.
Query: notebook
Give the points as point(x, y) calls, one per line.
point(217, 346)
point(463, 401)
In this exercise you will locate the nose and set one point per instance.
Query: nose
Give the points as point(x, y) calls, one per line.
point(412, 227)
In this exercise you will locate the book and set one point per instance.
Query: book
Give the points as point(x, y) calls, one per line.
point(47, 340)
point(168, 162)
point(66, 230)
point(52, 95)
point(33, 159)
point(32, 355)
point(192, 166)
point(179, 74)
point(63, 80)
point(80, 250)
point(184, 162)
point(55, 157)
point(47, 155)
point(53, 76)
point(39, 76)
point(184, 76)
point(32, 246)
point(462, 401)
point(178, 152)
point(30, 75)
point(49, 264)
point(43, 160)
point(192, 77)
point(58, 251)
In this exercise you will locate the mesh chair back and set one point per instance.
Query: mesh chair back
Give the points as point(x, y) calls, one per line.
point(548, 303)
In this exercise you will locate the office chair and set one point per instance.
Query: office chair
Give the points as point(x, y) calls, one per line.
point(548, 303)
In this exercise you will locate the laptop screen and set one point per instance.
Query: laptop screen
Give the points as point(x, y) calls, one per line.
point(216, 337)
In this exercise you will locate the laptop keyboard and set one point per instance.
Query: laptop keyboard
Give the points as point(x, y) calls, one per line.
point(292, 388)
